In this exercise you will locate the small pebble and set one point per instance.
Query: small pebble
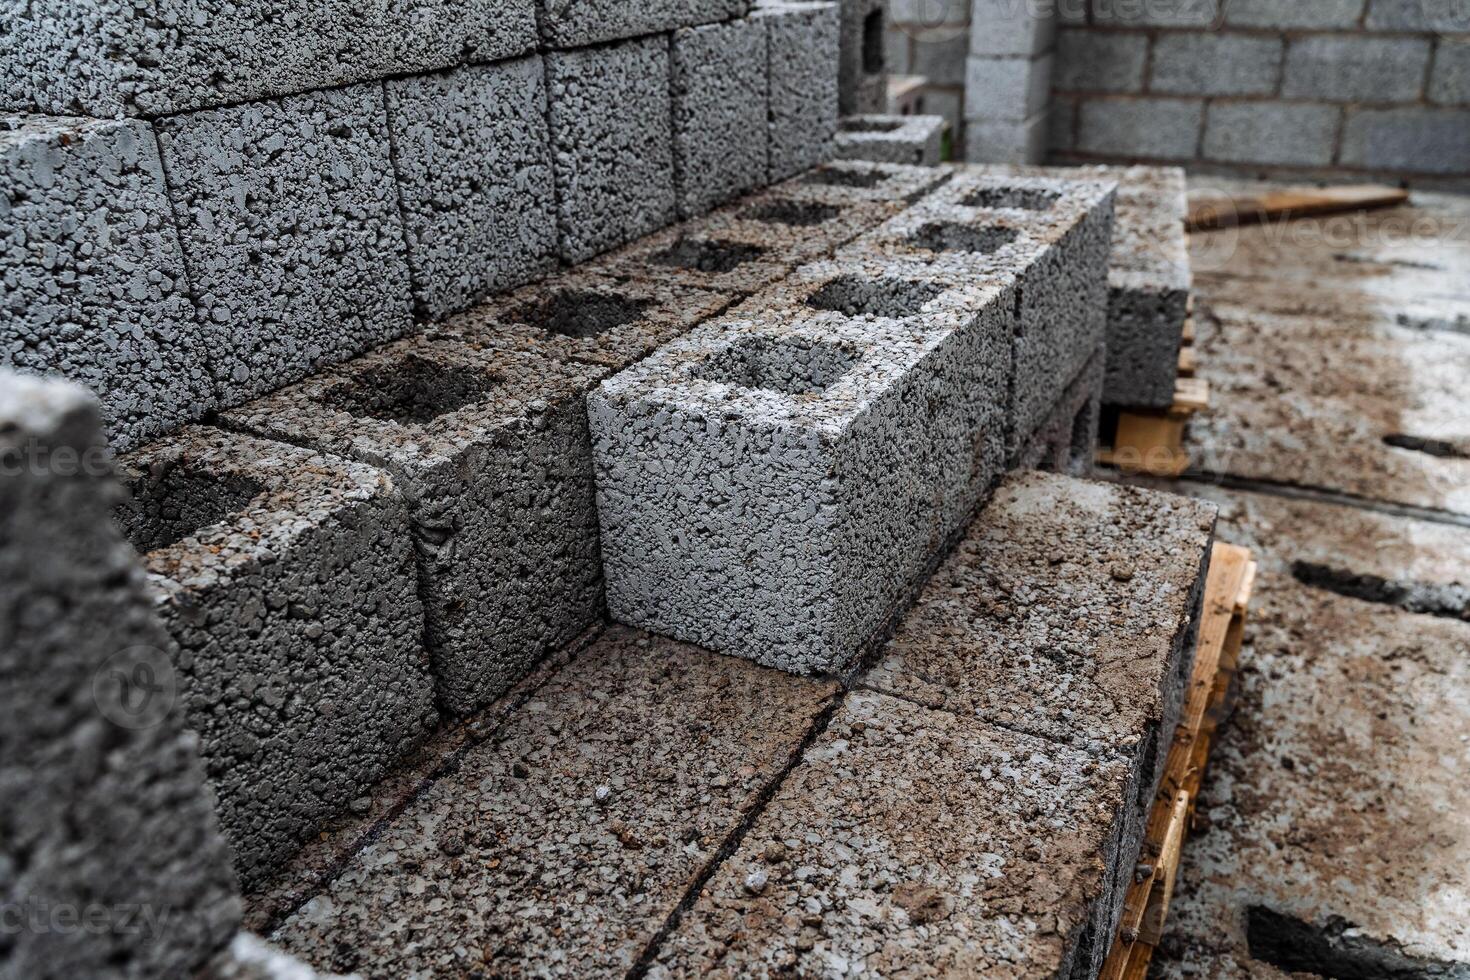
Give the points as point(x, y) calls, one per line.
point(755, 882)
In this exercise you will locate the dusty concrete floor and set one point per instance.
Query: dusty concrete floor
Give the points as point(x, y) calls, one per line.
point(1334, 835)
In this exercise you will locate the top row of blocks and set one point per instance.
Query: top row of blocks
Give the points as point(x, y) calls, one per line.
point(115, 58)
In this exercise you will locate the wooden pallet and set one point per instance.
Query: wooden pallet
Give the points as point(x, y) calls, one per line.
point(1151, 441)
point(1208, 210)
point(1228, 587)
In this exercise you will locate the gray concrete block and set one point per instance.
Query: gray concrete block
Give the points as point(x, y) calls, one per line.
point(1413, 139)
point(1303, 134)
point(718, 86)
point(473, 159)
point(291, 232)
point(897, 55)
point(286, 580)
point(104, 816)
point(929, 13)
point(917, 842)
point(913, 140)
point(1061, 126)
point(855, 184)
point(1438, 16)
point(1166, 13)
point(802, 44)
point(1099, 61)
point(92, 281)
point(1449, 82)
point(1072, 13)
point(772, 484)
point(1161, 129)
point(805, 221)
point(1215, 64)
point(611, 135)
point(939, 55)
point(1066, 443)
point(1313, 15)
point(617, 785)
point(1003, 27)
point(692, 254)
point(1355, 68)
point(575, 25)
point(861, 79)
point(1007, 140)
point(1007, 88)
point(110, 58)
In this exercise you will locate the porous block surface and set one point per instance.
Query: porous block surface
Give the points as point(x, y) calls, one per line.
point(612, 144)
point(717, 83)
point(844, 182)
point(473, 159)
point(92, 281)
point(802, 46)
point(575, 25)
point(559, 846)
point(916, 842)
point(800, 226)
point(102, 801)
point(861, 85)
point(488, 450)
point(286, 579)
point(771, 484)
point(914, 140)
point(1067, 441)
point(693, 253)
point(289, 220)
point(106, 58)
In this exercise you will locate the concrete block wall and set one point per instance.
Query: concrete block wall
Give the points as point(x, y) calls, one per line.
point(930, 40)
point(1008, 78)
point(1343, 89)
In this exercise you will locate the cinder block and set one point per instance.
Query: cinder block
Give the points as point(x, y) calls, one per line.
point(1160, 129)
point(1007, 88)
point(1271, 132)
point(1138, 13)
point(1002, 27)
point(861, 73)
point(1006, 140)
point(1061, 125)
point(1317, 15)
point(576, 25)
point(611, 135)
point(1099, 61)
point(289, 221)
point(92, 282)
point(718, 85)
point(802, 221)
point(896, 50)
point(914, 140)
point(771, 485)
point(286, 579)
point(855, 182)
point(1433, 141)
point(1354, 68)
point(939, 55)
point(692, 254)
point(1215, 64)
point(112, 58)
point(103, 809)
point(929, 13)
point(802, 43)
point(1071, 12)
point(473, 159)
point(1066, 442)
point(1418, 15)
point(1449, 84)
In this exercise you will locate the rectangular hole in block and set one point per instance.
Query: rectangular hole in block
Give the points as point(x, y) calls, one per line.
point(412, 390)
point(1023, 198)
point(798, 214)
point(792, 367)
point(847, 178)
point(873, 43)
point(702, 255)
point(869, 125)
point(956, 237)
point(855, 296)
point(179, 501)
point(580, 313)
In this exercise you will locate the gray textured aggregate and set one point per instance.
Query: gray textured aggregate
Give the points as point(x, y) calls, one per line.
point(862, 85)
point(800, 226)
point(286, 579)
point(771, 484)
point(289, 220)
point(693, 253)
point(104, 816)
point(913, 140)
point(577, 23)
point(110, 57)
point(1067, 441)
point(612, 143)
point(473, 158)
point(845, 182)
point(488, 450)
point(802, 40)
point(718, 88)
point(92, 281)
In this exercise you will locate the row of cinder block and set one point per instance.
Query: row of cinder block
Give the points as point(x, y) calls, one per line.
point(212, 256)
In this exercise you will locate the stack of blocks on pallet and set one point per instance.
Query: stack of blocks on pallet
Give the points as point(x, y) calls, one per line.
point(1008, 80)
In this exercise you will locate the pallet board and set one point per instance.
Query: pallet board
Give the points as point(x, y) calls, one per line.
point(1211, 210)
point(1144, 440)
point(1228, 586)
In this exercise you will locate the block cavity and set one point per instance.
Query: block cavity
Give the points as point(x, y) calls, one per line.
point(802, 41)
point(844, 182)
point(611, 136)
point(290, 226)
point(913, 140)
point(488, 450)
point(92, 281)
point(862, 81)
point(801, 227)
point(718, 89)
point(693, 254)
point(286, 579)
point(575, 25)
point(473, 158)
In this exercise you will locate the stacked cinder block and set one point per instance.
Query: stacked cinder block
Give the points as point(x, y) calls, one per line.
point(927, 44)
point(589, 22)
point(915, 140)
point(802, 46)
point(1008, 81)
point(861, 75)
point(112, 863)
point(286, 580)
point(719, 92)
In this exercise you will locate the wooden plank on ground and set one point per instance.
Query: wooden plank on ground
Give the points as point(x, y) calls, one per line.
point(1209, 209)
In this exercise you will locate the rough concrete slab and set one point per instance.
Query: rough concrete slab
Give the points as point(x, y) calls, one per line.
point(286, 580)
point(288, 214)
point(915, 842)
point(913, 140)
point(488, 449)
point(92, 276)
point(559, 847)
point(575, 25)
point(612, 143)
point(113, 866)
point(473, 158)
point(718, 84)
point(106, 58)
point(1066, 443)
point(802, 45)
point(772, 484)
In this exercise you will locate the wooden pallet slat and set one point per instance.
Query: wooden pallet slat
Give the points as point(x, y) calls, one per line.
point(1212, 211)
